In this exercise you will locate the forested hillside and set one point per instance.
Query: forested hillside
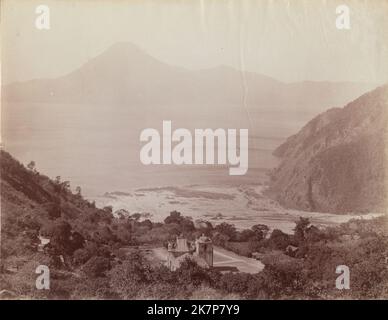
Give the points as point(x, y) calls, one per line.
point(91, 254)
point(337, 161)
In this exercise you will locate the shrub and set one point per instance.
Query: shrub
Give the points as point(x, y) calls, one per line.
point(227, 229)
point(80, 256)
point(96, 267)
point(279, 240)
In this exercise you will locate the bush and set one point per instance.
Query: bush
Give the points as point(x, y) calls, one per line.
point(174, 217)
point(53, 210)
point(96, 267)
point(261, 231)
point(191, 273)
point(279, 240)
point(128, 278)
point(227, 229)
point(80, 256)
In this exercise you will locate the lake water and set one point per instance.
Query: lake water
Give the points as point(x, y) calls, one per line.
point(97, 148)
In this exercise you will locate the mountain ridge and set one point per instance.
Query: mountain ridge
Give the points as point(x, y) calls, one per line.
point(125, 74)
point(336, 162)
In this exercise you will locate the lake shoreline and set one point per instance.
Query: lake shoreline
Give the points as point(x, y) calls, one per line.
point(242, 206)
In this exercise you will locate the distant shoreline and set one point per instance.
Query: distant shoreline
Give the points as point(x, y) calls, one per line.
point(242, 206)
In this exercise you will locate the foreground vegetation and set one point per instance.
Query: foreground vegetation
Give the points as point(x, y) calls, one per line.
point(95, 254)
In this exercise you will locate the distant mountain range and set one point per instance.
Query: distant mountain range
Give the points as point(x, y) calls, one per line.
point(124, 74)
point(337, 162)
point(334, 164)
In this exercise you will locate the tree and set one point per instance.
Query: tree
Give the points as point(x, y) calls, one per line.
point(65, 186)
point(124, 233)
point(136, 216)
point(190, 272)
point(227, 229)
point(187, 225)
point(235, 282)
point(80, 256)
point(246, 235)
point(122, 214)
point(300, 230)
point(62, 231)
point(174, 217)
point(220, 239)
point(129, 277)
point(59, 233)
point(175, 214)
point(104, 235)
point(31, 166)
point(53, 209)
point(76, 241)
point(96, 267)
point(57, 186)
point(260, 230)
point(78, 191)
point(146, 223)
point(313, 234)
point(279, 240)
point(108, 209)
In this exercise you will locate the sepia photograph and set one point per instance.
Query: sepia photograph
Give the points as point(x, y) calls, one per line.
point(168, 150)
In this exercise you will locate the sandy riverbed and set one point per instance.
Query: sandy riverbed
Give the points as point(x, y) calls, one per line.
point(242, 206)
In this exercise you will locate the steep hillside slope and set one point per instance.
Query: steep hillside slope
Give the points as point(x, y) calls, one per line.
point(337, 162)
point(92, 255)
point(31, 202)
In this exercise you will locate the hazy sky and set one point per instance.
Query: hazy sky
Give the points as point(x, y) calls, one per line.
point(288, 40)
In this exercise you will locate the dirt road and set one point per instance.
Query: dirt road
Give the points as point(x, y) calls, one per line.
point(222, 257)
